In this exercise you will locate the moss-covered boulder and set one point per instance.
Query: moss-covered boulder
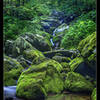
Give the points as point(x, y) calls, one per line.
point(61, 59)
point(39, 80)
point(88, 45)
point(65, 53)
point(87, 48)
point(12, 70)
point(32, 54)
point(79, 65)
point(38, 41)
point(20, 44)
point(94, 94)
point(39, 60)
point(75, 63)
point(77, 83)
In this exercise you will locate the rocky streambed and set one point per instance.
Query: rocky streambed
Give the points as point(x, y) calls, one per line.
point(44, 70)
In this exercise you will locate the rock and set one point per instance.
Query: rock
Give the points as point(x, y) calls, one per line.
point(32, 54)
point(79, 65)
point(8, 47)
point(77, 83)
point(20, 44)
point(88, 45)
point(61, 59)
point(87, 48)
point(66, 67)
point(39, 80)
point(39, 60)
point(12, 70)
point(94, 94)
point(38, 41)
point(25, 63)
point(66, 53)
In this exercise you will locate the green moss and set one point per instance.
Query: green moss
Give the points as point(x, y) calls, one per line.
point(75, 63)
point(94, 94)
point(87, 45)
point(40, 80)
point(61, 59)
point(77, 83)
point(12, 71)
point(32, 54)
point(53, 84)
point(92, 57)
point(9, 79)
point(29, 87)
point(39, 60)
point(66, 67)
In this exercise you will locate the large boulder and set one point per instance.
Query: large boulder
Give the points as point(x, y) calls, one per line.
point(79, 65)
point(38, 41)
point(88, 45)
point(39, 80)
point(12, 70)
point(20, 44)
point(77, 83)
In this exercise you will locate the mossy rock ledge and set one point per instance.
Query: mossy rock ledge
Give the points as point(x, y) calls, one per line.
point(77, 83)
point(31, 54)
point(12, 70)
point(39, 80)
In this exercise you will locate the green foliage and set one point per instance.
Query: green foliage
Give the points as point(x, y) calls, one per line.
point(77, 32)
point(71, 7)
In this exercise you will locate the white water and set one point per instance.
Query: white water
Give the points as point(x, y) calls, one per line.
point(10, 91)
point(51, 40)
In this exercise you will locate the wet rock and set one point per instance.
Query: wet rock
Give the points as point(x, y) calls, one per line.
point(12, 70)
point(77, 83)
point(61, 59)
point(66, 53)
point(79, 65)
point(20, 44)
point(30, 55)
point(39, 80)
point(37, 41)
